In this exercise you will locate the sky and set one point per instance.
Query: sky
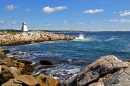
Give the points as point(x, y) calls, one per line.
point(85, 15)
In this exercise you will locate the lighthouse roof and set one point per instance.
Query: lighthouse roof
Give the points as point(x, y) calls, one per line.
point(24, 23)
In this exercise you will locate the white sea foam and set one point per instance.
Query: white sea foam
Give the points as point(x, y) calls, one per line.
point(47, 54)
point(81, 37)
point(51, 42)
point(110, 39)
point(60, 72)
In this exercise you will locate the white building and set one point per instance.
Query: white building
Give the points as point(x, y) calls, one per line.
point(24, 27)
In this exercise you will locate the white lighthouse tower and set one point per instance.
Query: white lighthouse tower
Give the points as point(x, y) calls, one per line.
point(24, 27)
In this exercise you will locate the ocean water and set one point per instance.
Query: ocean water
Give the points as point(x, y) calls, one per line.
point(70, 57)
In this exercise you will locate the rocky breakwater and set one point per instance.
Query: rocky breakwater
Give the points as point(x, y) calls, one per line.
point(106, 71)
point(15, 72)
point(28, 37)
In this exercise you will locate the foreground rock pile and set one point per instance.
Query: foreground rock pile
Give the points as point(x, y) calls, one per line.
point(28, 37)
point(14, 72)
point(106, 71)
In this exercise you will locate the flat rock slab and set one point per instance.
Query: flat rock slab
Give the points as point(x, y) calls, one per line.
point(28, 80)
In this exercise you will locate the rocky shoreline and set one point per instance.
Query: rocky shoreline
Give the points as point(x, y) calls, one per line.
point(29, 37)
point(105, 71)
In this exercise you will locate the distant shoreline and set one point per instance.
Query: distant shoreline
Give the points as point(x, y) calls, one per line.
point(12, 30)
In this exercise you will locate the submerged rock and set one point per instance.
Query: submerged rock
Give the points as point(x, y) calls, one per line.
point(99, 72)
point(46, 62)
point(5, 51)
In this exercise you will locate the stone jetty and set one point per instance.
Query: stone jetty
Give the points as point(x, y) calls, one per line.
point(28, 37)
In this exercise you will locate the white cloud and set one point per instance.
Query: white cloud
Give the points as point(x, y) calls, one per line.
point(114, 20)
point(11, 7)
point(124, 20)
point(114, 12)
point(93, 11)
point(125, 13)
point(65, 22)
point(49, 24)
point(121, 20)
point(92, 22)
point(14, 23)
point(104, 2)
point(11, 17)
point(51, 10)
point(2, 22)
point(80, 23)
point(32, 22)
point(28, 9)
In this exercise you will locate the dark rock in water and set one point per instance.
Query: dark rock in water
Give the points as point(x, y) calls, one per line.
point(5, 76)
point(46, 62)
point(47, 81)
point(5, 51)
point(100, 69)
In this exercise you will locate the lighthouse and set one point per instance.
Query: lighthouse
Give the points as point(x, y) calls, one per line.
point(24, 27)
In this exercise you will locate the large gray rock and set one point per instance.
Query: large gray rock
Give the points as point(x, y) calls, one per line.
point(120, 78)
point(98, 69)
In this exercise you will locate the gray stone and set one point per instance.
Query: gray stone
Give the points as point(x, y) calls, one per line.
point(119, 78)
point(93, 72)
